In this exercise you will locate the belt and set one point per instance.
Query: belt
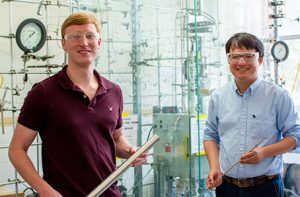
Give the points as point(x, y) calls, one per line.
point(250, 181)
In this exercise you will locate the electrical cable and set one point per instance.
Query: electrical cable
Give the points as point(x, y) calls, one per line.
point(32, 194)
point(151, 129)
point(133, 187)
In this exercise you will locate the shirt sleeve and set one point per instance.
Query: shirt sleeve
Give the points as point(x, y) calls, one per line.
point(120, 120)
point(33, 110)
point(288, 120)
point(211, 130)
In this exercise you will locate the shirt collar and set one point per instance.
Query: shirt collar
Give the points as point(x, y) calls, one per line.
point(66, 82)
point(254, 85)
point(251, 88)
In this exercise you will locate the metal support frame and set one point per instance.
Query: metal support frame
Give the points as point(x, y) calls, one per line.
point(136, 77)
point(12, 73)
point(276, 15)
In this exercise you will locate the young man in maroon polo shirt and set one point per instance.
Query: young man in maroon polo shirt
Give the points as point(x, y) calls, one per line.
point(77, 113)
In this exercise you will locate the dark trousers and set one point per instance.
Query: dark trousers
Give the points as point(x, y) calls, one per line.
point(272, 188)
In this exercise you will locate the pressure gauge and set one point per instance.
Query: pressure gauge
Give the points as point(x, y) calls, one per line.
point(31, 35)
point(280, 51)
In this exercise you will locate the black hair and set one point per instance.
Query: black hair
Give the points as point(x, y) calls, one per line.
point(246, 40)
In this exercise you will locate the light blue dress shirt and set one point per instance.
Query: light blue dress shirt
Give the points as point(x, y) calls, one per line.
point(237, 122)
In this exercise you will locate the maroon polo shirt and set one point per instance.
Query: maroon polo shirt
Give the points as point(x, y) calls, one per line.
point(78, 150)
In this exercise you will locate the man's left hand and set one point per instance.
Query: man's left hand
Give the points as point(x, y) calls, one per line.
point(253, 157)
point(142, 159)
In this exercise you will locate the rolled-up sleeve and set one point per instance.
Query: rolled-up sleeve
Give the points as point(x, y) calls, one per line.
point(288, 119)
point(211, 130)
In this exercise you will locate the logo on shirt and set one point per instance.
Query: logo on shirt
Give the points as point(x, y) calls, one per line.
point(110, 108)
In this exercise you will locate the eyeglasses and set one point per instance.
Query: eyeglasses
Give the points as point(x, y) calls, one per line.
point(247, 56)
point(76, 36)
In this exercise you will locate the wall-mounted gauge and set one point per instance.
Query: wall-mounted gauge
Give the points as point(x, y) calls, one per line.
point(280, 51)
point(31, 35)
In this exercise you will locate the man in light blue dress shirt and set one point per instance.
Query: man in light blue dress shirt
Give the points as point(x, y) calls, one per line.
point(251, 122)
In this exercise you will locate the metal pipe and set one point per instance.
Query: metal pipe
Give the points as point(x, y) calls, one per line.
point(33, 144)
point(47, 30)
point(121, 169)
point(2, 114)
point(165, 95)
point(55, 66)
point(12, 84)
point(276, 64)
point(158, 54)
point(12, 109)
point(136, 85)
point(22, 72)
point(182, 54)
point(162, 8)
point(35, 2)
point(2, 120)
point(8, 36)
point(157, 36)
point(108, 44)
point(199, 101)
point(10, 182)
point(164, 58)
point(69, 5)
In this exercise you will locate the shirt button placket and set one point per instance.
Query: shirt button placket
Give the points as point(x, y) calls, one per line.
point(243, 124)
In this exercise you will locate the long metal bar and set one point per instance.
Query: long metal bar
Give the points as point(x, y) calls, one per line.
point(55, 39)
point(2, 114)
point(158, 54)
point(33, 144)
point(22, 72)
point(256, 145)
point(276, 64)
point(10, 182)
point(11, 109)
point(136, 85)
point(12, 84)
point(2, 120)
point(199, 99)
point(182, 54)
point(121, 169)
point(46, 72)
point(47, 51)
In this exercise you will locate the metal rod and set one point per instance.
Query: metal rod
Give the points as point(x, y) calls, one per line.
point(22, 72)
point(10, 182)
point(11, 109)
point(2, 114)
point(7, 36)
point(256, 145)
point(12, 85)
point(136, 84)
point(121, 169)
point(2, 121)
point(33, 144)
point(162, 8)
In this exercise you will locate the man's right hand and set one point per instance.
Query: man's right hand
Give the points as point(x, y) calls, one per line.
point(213, 179)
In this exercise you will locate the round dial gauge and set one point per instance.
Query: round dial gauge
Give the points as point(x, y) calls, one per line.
point(280, 51)
point(31, 35)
